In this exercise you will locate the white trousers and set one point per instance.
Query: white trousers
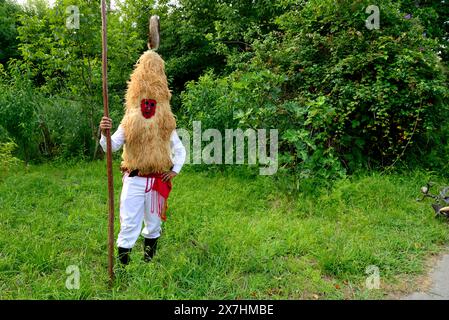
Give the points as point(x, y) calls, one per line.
point(137, 205)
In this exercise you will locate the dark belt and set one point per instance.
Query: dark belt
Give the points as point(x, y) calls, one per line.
point(133, 173)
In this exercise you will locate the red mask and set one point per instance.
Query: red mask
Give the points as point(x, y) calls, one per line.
point(148, 108)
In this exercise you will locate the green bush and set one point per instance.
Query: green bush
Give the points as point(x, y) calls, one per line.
point(7, 160)
point(19, 115)
point(342, 96)
point(8, 29)
point(44, 126)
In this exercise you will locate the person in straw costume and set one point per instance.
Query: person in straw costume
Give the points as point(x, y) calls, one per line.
point(152, 155)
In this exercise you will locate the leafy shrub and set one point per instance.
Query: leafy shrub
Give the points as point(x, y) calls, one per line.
point(342, 96)
point(7, 160)
point(387, 86)
point(46, 127)
point(19, 116)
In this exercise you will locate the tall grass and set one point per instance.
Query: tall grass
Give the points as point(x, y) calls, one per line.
point(227, 236)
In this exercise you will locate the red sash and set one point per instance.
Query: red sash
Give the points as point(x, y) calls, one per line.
point(161, 195)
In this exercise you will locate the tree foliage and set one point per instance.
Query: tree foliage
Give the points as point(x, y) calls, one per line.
point(8, 30)
point(342, 96)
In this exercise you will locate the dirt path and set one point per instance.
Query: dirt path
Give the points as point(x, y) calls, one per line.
point(439, 288)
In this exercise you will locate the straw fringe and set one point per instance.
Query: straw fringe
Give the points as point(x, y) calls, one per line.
point(147, 145)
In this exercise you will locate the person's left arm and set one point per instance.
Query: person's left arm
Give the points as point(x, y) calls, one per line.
point(179, 157)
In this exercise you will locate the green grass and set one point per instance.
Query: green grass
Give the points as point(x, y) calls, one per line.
point(228, 236)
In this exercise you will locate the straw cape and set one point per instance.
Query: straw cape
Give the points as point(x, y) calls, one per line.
point(147, 145)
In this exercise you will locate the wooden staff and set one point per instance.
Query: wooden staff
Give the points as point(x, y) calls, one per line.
point(108, 144)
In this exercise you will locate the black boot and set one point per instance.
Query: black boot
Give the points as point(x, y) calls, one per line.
point(149, 249)
point(123, 255)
